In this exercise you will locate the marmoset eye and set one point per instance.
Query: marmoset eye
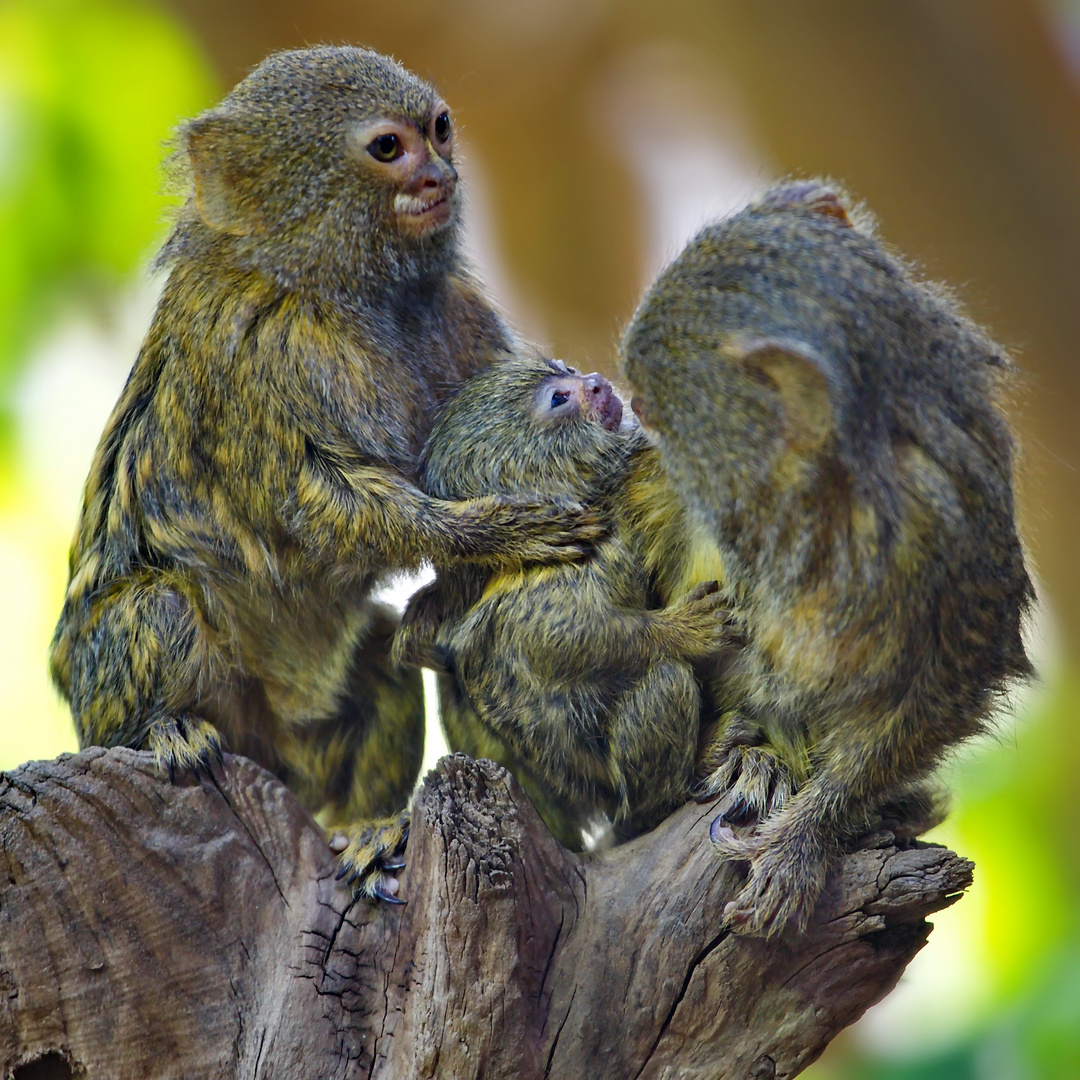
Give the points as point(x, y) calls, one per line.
point(442, 127)
point(385, 147)
point(559, 397)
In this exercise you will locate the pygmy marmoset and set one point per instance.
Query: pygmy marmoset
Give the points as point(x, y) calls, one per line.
point(256, 477)
point(830, 422)
point(575, 676)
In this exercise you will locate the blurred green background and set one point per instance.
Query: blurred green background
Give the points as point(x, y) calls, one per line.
point(598, 135)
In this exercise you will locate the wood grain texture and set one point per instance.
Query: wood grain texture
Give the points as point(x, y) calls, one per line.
point(196, 929)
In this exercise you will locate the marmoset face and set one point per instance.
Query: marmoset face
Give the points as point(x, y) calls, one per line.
point(567, 395)
point(411, 158)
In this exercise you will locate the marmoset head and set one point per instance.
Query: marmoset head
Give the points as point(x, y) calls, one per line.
point(330, 167)
point(529, 425)
point(802, 355)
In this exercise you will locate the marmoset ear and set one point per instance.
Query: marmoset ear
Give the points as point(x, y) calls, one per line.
point(815, 196)
point(225, 181)
point(797, 376)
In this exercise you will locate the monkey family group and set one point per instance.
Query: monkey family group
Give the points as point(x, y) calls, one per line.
point(784, 576)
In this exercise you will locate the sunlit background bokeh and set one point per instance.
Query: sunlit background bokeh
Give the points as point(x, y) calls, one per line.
point(598, 135)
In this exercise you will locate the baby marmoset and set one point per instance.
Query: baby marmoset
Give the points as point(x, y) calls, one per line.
point(574, 675)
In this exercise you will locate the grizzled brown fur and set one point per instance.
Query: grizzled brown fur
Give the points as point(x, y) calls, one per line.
point(256, 477)
point(575, 676)
point(831, 425)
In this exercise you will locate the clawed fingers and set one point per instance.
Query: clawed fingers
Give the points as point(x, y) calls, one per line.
point(758, 782)
point(574, 552)
point(779, 893)
point(720, 832)
point(736, 918)
point(706, 588)
point(386, 889)
point(730, 846)
point(371, 853)
point(185, 744)
point(374, 883)
point(589, 527)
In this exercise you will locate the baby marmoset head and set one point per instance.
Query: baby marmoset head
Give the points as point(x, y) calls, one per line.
point(529, 425)
point(329, 167)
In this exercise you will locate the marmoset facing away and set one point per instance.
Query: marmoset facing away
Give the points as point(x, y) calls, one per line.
point(836, 434)
point(255, 479)
point(572, 675)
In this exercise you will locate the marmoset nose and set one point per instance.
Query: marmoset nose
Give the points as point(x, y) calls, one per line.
point(429, 178)
point(603, 400)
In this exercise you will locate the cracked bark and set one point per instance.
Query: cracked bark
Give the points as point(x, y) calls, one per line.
point(197, 930)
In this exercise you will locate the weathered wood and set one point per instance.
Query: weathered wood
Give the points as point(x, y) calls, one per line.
point(196, 929)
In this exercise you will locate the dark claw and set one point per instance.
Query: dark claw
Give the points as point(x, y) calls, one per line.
point(739, 812)
point(172, 773)
point(720, 830)
point(389, 897)
point(395, 862)
point(342, 872)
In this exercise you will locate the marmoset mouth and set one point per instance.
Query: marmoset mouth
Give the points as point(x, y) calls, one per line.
point(611, 412)
point(422, 214)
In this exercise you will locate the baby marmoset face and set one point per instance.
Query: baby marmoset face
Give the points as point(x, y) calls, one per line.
point(568, 397)
point(529, 425)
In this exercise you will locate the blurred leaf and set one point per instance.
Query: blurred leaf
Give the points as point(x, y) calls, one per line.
point(1016, 817)
point(89, 93)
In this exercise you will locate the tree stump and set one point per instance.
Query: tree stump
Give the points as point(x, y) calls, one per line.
point(196, 929)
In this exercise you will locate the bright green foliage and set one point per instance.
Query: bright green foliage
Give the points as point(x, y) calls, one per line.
point(89, 92)
point(1034, 1039)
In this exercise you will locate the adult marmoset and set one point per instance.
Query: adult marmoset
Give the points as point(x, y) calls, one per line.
point(256, 477)
point(831, 423)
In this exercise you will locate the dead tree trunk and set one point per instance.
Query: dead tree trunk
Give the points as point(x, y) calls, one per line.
point(196, 929)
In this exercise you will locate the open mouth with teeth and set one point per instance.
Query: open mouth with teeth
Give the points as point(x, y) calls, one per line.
point(422, 213)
